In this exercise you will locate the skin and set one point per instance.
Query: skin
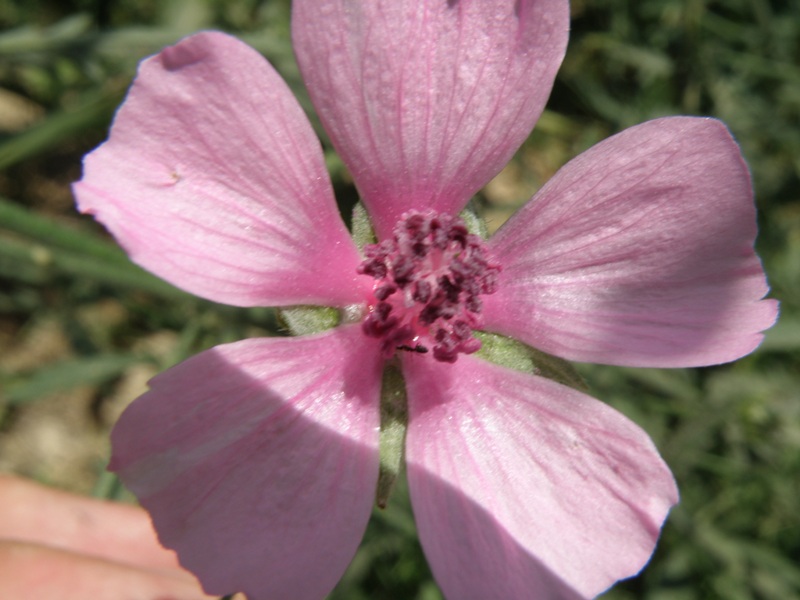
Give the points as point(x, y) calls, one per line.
point(59, 546)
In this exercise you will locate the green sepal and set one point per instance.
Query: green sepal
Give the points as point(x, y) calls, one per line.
point(361, 227)
point(515, 355)
point(475, 224)
point(394, 423)
point(307, 320)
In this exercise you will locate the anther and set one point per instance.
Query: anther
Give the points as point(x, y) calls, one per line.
point(429, 277)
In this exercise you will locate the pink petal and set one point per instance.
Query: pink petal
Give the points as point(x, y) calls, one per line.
point(258, 460)
point(213, 179)
point(524, 488)
point(638, 252)
point(427, 100)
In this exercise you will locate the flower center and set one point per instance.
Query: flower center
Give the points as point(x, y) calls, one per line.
point(428, 279)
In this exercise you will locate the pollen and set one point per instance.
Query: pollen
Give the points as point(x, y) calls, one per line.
point(429, 277)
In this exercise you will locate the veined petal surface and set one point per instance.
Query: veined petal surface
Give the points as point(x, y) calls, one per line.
point(426, 100)
point(213, 179)
point(524, 488)
point(638, 252)
point(258, 461)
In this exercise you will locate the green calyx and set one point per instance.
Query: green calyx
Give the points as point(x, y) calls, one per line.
point(361, 227)
point(308, 320)
point(394, 423)
point(474, 223)
point(515, 355)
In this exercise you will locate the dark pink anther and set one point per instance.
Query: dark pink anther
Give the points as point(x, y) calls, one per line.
point(428, 279)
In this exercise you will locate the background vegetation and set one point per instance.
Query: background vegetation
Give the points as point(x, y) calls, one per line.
point(81, 329)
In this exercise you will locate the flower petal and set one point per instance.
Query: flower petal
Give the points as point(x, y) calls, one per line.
point(426, 101)
point(638, 252)
point(524, 488)
point(213, 179)
point(258, 460)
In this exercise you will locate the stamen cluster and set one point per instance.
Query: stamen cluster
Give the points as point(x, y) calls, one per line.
point(429, 277)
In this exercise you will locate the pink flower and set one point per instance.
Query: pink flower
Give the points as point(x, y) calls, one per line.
point(258, 460)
